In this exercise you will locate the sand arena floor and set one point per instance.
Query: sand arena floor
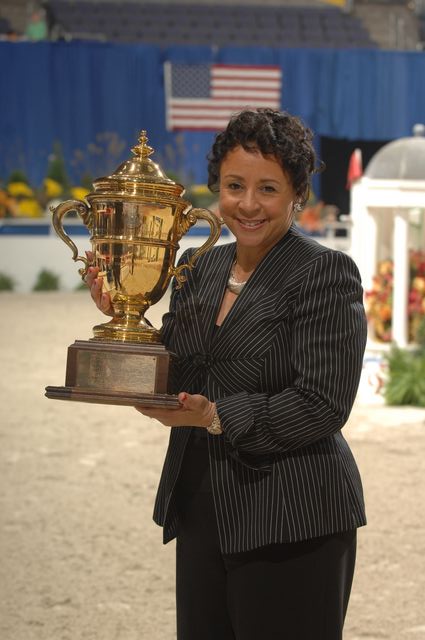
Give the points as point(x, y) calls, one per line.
point(80, 558)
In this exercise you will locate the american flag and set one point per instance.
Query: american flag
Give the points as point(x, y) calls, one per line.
point(204, 96)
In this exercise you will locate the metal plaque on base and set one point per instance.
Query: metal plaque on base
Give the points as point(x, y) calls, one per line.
point(111, 373)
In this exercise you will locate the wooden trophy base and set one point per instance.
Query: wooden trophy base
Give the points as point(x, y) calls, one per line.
point(116, 373)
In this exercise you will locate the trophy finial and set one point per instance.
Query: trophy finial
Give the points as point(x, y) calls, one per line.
point(142, 150)
point(136, 173)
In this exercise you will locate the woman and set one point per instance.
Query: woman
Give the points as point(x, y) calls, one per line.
point(259, 486)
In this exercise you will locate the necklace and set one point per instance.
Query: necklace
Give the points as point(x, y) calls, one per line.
point(232, 284)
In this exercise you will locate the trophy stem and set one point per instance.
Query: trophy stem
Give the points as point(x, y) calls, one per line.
point(129, 326)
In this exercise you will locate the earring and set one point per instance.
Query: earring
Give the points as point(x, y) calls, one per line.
point(298, 207)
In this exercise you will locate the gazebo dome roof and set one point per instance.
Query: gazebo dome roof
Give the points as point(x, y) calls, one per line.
point(402, 159)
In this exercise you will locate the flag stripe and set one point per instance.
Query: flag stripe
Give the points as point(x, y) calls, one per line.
point(201, 124)
point(241, 93)
point(262, 71)
point(199, 113)
point(209, 107)
point(245, 84)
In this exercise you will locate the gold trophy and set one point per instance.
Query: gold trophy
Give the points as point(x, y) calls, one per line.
point(136, 217)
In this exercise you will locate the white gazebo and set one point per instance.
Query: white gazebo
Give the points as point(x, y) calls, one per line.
point(388, 218)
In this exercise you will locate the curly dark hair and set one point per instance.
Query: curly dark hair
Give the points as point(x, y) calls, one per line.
point(273, 133)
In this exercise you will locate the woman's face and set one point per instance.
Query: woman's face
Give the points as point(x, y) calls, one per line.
point(256, 198)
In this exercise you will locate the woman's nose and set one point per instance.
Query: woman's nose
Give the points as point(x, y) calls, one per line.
point(249, 202)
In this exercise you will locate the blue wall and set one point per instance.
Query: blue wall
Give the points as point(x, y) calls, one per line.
point(92, 96)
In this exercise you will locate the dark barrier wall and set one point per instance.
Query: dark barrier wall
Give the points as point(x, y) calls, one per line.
point(91, 96)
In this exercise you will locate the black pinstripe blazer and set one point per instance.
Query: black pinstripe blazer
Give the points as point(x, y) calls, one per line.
point(283, 369)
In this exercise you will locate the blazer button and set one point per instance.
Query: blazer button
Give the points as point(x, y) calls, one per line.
point(203, 360)
point(198, 359)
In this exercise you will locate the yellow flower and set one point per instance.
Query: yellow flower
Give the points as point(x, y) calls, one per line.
point(79, 193)
point(200, 189)
point(419, 284)
point(29, 208)
point(17, 189)
point(385, 267)
point(52, 188)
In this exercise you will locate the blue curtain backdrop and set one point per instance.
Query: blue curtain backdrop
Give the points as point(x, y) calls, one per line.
point(90, 96)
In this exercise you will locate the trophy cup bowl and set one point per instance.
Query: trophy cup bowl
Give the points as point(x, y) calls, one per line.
point(136, 218)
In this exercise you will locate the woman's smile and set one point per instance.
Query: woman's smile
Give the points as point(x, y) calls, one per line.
point(251, 224)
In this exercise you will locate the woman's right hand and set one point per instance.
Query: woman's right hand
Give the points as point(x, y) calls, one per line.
point(94, 283)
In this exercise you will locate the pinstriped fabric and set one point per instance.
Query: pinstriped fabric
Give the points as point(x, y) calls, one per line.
point(283, 369)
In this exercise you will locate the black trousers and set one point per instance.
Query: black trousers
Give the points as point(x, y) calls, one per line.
point(291, 591)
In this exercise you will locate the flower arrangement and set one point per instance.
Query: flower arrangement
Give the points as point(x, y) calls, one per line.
point(416, 304)
point(19, 200)
point(379, 299)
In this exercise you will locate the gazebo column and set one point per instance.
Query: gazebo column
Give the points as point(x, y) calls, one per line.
point(370, 249)
point(401, 278)
point(364, 234)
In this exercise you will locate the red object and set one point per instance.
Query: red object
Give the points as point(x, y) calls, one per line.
point(355, 168)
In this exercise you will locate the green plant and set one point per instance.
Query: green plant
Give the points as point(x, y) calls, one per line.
point(420, 332)
point(46, 281)
point(405, 383)
point(56, 169)
point(18, 176)
point(6, 282)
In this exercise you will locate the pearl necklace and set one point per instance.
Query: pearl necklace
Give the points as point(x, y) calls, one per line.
point(232, 284)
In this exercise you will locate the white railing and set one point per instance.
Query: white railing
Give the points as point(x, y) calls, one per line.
point(27, 246)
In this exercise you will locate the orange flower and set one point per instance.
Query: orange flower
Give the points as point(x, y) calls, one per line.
point(385, 312)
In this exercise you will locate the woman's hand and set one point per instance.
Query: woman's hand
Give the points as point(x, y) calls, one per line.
point(94, 283)
point(195, 411)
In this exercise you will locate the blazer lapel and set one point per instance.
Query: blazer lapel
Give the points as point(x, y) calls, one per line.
point(212, 286)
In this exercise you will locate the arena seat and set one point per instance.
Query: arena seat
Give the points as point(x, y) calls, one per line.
point(4, 26)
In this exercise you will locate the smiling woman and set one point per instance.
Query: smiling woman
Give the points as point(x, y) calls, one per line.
point(259, 486)
point(256, 202)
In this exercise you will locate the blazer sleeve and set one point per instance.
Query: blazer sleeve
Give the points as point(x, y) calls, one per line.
point(328, 341)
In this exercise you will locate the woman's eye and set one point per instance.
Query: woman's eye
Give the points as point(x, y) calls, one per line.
point(268, 188)
point(233, 186)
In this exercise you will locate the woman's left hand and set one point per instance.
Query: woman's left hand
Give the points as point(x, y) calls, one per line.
point(195, 411)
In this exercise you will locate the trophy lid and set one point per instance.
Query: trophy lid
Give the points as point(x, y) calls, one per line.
point(138, 175)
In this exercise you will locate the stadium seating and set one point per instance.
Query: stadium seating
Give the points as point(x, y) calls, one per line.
point(210, 24)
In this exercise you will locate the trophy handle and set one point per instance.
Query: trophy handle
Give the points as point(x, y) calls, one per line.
point(57, 220)
point(190, 218)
